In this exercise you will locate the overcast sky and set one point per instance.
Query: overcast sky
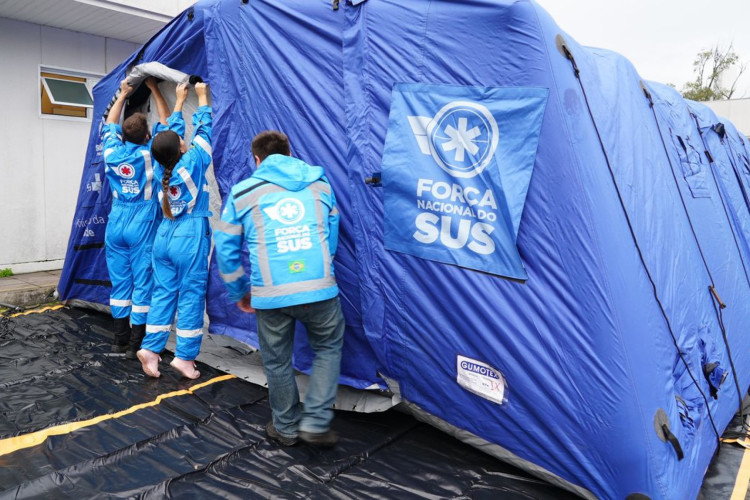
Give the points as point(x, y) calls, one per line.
point(660, 37)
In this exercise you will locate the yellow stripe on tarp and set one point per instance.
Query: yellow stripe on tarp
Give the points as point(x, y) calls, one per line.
point(743, 477)
point(16, 443)
point(38, 310)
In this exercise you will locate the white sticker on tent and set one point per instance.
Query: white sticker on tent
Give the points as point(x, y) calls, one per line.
point(481, 379)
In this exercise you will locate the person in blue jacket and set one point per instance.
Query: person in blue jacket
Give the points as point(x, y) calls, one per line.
point(133, 217)
point(181, 246)
point(286, 213)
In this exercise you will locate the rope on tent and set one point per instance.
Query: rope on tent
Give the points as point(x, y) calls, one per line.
point(722, 134)
point(710, 158)
point(712, 286)
point(722, 306)
point(568, 55)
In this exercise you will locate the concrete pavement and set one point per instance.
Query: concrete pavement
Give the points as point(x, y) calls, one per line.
point(24, 290)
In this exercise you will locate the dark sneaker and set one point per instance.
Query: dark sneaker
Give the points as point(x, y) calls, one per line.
point(277, 438)
point(119, 349)
point(327, 439)
point(130, 354)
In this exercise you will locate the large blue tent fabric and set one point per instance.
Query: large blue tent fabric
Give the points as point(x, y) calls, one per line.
point(606, 349)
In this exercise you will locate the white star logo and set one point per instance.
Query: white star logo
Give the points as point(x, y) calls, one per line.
point(289, 211)
point(462, 140)
point(447, 137)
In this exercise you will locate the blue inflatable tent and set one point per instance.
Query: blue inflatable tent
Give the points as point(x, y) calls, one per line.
point(541, 253)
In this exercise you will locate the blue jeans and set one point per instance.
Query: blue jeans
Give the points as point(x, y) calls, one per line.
point(325, 331)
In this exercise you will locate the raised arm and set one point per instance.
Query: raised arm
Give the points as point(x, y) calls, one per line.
point(181, 94)
point(161, 104)
point(114, 113)
point(202, 123)
point(176, 122)
point(201, 90)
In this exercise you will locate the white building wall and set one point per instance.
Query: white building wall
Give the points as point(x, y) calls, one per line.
point(41, 158)
point(735, 110)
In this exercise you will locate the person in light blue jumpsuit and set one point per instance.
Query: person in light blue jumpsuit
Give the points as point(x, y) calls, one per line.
point(182, 244)
point(286, 214)
point(133, 217)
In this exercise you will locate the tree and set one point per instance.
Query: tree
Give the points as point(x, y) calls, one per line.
point(711, 67)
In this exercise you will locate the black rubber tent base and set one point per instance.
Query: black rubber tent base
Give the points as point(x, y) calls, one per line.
point(77, 422)
point(729, 472)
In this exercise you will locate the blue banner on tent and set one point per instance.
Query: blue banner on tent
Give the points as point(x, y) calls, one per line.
point(456, 169)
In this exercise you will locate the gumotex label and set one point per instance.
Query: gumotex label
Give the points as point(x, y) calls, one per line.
point(481, 379)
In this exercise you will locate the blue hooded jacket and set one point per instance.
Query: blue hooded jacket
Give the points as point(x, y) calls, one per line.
point(286, 212)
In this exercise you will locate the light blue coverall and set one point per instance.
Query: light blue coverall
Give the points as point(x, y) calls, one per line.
point(132, 220)
point(181, 247)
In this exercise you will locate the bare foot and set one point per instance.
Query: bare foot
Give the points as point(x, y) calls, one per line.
point(186, 368)
point(149, 362)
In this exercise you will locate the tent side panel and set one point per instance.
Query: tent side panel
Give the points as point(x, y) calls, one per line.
point(267, 76)
point(559, 339)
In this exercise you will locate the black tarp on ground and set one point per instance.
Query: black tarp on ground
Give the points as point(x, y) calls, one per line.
point(724, 477)
point(55, 369)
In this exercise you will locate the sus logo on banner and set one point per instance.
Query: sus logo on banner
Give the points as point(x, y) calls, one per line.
point(456, 169)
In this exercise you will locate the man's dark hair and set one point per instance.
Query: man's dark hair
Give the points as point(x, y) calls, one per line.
point(270, 142)
point(135, 128)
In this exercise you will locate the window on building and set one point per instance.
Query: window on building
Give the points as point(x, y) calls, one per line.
point(66, 94)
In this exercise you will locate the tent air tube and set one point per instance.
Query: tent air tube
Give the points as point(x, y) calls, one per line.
point(711, 287)
point(568, 55)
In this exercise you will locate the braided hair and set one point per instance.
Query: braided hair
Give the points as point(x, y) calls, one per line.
point(165, 149)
